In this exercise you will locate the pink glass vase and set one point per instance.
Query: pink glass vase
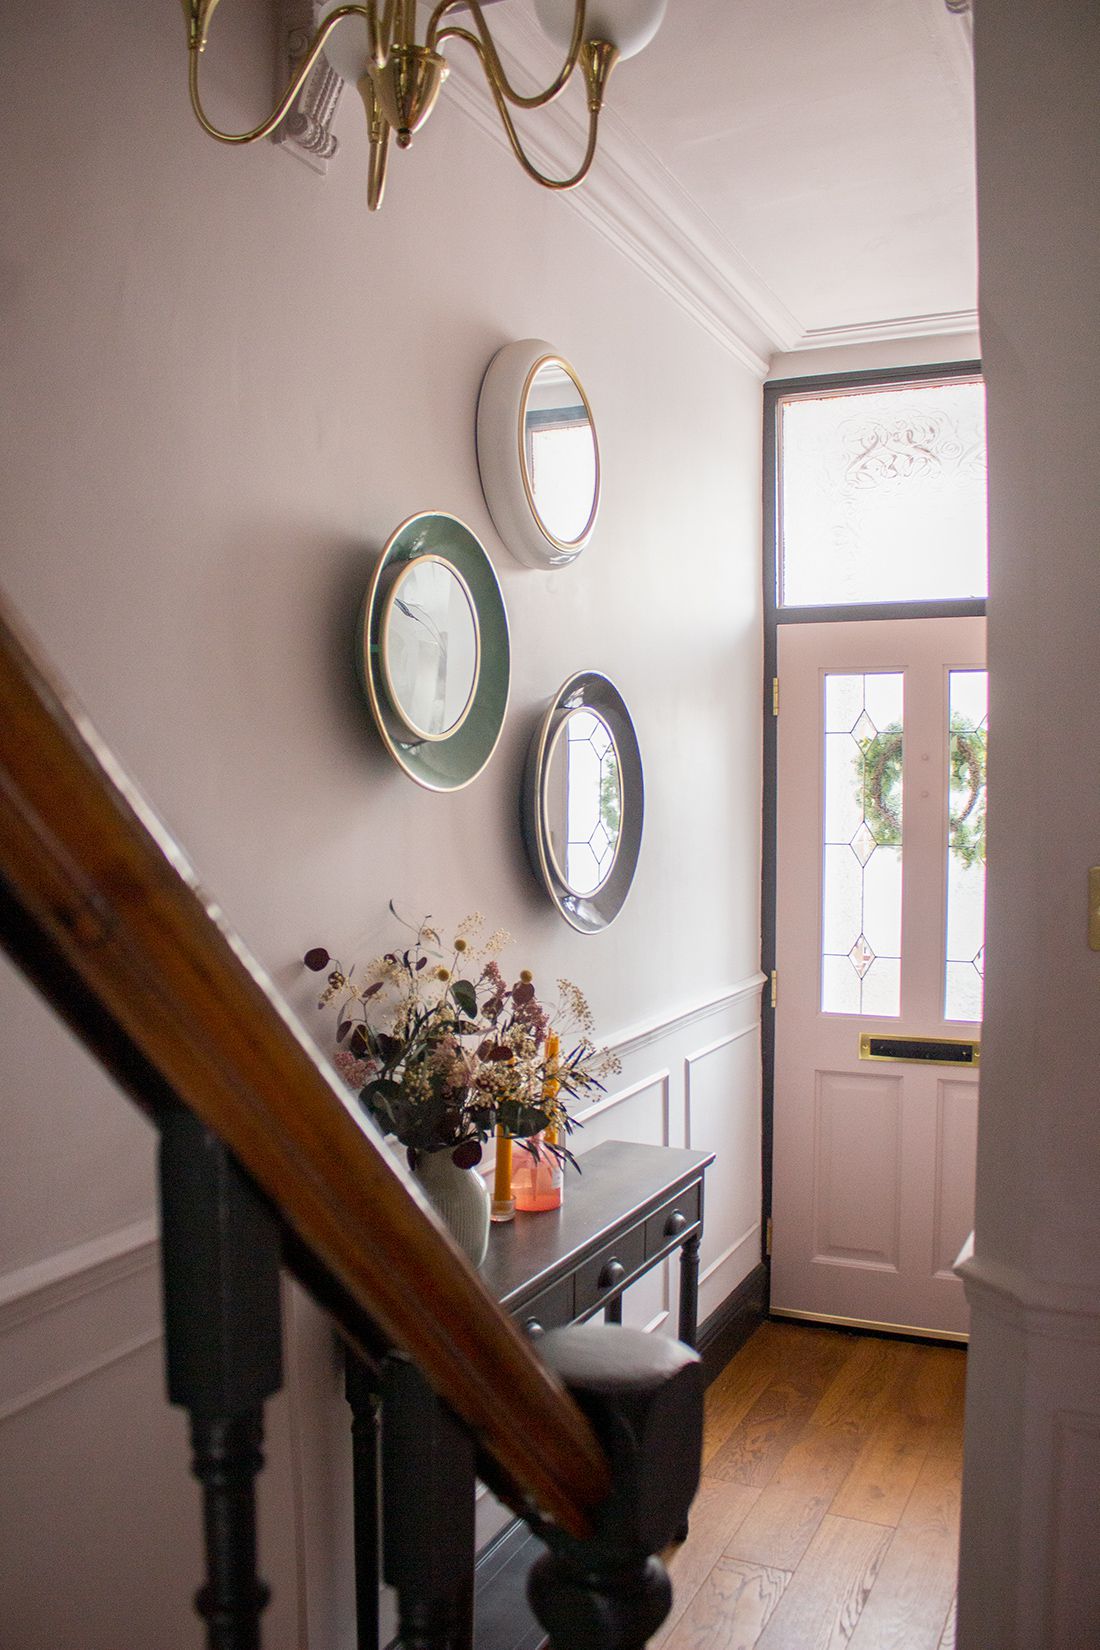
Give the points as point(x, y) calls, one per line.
point(536, 1176)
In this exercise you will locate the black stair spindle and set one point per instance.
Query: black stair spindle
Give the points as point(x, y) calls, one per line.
point(220, 1248)
point(361, 1392)
point(428, 1485)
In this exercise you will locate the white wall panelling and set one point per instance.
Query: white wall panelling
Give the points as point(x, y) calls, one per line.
point(69, 1316)
point(96, 1464)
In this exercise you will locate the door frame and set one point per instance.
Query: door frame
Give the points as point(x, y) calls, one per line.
point(775, 390)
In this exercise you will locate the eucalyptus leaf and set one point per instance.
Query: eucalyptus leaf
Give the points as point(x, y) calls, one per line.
point(466, 998)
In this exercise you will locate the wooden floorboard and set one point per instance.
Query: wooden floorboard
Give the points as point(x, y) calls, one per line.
point(731, 1609)
point(827, 1517)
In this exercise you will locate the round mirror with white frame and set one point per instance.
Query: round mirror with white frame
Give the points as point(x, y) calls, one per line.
point(538, 454)
point(430, 647)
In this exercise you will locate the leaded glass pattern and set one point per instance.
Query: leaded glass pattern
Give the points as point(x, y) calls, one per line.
point(883, 495)
point(967, 746)
point(595, 802)
point(862, 844)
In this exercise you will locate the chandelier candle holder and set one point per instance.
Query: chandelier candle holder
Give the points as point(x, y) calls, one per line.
point(374, 46)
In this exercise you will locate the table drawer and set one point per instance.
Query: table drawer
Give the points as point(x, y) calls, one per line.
point(673, 1218)
point(550, 1309)
point(608, 1267)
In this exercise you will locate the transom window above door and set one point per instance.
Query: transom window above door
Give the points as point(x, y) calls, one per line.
point(882, 494)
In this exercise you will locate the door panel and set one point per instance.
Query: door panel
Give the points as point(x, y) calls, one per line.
point(873, 1161)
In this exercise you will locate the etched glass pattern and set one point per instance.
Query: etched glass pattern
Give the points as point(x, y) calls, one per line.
point(967, 744)
point(862, 845)
point(883, 495)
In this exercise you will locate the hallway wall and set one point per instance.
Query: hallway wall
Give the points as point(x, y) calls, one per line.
point(224, 385)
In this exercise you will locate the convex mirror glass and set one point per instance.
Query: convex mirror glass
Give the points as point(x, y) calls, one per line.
point(430, 647)
point(538, 454)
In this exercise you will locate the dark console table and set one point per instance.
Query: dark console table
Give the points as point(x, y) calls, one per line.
point(630, 1208)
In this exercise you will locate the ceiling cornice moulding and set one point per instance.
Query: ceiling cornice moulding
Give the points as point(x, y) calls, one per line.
point(945, 325)
point(630, 197)
point(633, 201)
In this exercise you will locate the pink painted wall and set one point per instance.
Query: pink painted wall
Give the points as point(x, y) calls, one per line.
point(223, 386)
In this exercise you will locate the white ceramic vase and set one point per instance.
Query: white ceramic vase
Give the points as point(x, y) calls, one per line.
point(460, 1197)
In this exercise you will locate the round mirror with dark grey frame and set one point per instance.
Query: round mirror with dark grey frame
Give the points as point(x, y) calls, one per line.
point(583, 801)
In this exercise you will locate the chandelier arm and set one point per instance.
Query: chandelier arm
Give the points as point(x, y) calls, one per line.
point(490, 58)
point(369, 12)
point(513, 136)
point(381, 32)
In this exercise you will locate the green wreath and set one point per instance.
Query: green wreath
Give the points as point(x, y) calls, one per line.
point(879, 793)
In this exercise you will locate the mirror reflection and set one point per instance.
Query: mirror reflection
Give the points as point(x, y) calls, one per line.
point(560, 453)
point(582, 801)
point(430, 648)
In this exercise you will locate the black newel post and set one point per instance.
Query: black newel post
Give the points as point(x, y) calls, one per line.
point(220, 1258)
point(644, 1397)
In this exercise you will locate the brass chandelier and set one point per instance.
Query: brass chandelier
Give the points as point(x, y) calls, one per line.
point(374, 46)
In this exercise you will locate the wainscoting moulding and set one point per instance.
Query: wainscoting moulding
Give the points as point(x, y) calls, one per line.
point(44, 1347)
point(639, 1036)
point(58, 1280)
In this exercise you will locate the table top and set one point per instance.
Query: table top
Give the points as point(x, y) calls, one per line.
point(620, 1183)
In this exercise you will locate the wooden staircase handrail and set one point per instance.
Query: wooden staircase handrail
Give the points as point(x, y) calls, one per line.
point(86, 861)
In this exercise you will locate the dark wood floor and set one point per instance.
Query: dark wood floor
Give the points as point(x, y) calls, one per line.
point(827, 1518)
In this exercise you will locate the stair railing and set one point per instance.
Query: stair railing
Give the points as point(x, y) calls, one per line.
point(264, 1161)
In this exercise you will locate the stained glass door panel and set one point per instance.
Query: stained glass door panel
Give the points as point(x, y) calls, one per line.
point(862, 846)
point(880, 814)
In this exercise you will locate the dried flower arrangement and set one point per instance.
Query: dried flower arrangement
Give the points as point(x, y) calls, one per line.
point(441, 1049)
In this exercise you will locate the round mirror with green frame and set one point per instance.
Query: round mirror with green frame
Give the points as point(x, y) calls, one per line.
point(433, 651)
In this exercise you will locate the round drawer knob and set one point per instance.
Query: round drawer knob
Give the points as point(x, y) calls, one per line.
point(675, 1223)
point(612, 1273)
point(534, 1328)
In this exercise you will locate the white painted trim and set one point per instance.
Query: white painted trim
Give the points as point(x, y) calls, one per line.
point(56, 1281)
point(691, 1060)
point(81, 1372)
point(632, 200)
point(712, 1048)
point(656, 1080)
point(1033, 1306)
point(638, 205)
point(878, 332)
point(630, 197)
point(639, 1036)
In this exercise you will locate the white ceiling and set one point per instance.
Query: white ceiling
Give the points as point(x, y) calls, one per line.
point(830, 142)
point(805, 168)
